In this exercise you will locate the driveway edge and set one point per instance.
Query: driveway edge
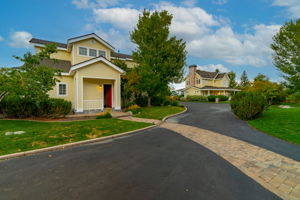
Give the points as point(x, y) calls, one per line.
point(167, 117)
point(73, 144)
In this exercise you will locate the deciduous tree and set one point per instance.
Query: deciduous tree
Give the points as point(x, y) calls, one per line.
point(160, 58)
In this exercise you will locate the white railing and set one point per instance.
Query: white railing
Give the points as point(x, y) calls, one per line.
point(93, 104)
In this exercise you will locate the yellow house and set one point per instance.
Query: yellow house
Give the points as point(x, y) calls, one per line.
point(89, 79)
point(205, 83)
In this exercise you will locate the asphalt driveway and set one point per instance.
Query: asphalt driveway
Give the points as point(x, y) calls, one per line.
point(154, 164)
point(219, 118)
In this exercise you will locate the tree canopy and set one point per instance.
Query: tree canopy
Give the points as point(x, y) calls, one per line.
point(244, 80)
point(286, 47)
point(261, 77)
point(31, 80)
point(232, 81)
point(160, 58)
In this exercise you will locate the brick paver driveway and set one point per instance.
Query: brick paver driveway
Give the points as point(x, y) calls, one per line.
point(218, 118)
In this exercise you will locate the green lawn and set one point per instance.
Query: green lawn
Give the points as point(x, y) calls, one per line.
point(158, 112)
point(280, 122)
point(46, 134)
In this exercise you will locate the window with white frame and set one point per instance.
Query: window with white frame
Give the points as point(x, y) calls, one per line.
point(62, 89)
point(101, 53)
point(82, 51)
point(93, 52)
point(198, 81)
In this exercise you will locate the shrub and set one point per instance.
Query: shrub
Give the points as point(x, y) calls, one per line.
point(158, 101)
point(104, 116)
point(248, 105)
point(54, 107)
point(212, 98)
point(16, 106)
point(196, 98)
point(134, 109)
point(174, 103)
point(141, 100)
point(294, 97)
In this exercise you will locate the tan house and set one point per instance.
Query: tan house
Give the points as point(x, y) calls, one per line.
point(207, 83)
point(89, 79)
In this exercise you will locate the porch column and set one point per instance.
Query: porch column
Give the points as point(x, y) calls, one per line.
point(208, 92)
point(117, 96)
point(224, 92)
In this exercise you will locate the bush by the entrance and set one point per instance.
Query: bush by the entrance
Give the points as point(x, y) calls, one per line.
point(16, 106)
point(248, 105)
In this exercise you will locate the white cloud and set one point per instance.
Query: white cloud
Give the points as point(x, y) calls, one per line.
point(177, 86)
point(293, 6)
point(206, 36)
point(246, 49)
point(20, 39)
point(219, 2)
point(123, 18)
point(83, 4)
point(212, 68)
point(116, 38)
point(189, 3)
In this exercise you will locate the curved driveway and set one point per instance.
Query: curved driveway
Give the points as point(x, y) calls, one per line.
point(152, 165)
point(219, 118)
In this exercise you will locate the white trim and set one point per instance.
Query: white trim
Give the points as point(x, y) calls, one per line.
point(96, 77)
point(91, 36)
point(62, 95)
point(77, 66)
point(88, 52)
point(96, 52)
point(42, 45)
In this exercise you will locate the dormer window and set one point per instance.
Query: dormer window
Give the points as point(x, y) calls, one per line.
point(82, 51)
point(198, 81)
point(93, 52)
point(102, 53)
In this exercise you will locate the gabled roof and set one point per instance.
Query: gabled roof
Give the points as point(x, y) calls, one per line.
point(211, 75)
point(94, 60)
point(121, 56)
point(212, 88)
point(88, 36)
point(40, 42)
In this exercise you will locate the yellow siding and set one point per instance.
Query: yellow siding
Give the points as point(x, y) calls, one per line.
point(131, 64)
point(99, 71)
point(89, 43)
point(218, 83)
point(192, 91)
point(70, 89)
point(61, 54)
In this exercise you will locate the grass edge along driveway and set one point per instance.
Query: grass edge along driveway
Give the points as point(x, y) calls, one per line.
point(283, 123)
point(46, 134)
point(158, 112)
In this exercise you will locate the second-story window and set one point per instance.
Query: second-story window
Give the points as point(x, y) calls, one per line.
point(198, 81)
point(102, 53)
point(93, 52)
point(83, 51)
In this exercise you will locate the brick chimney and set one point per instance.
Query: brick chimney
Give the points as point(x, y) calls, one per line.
point(192, 74)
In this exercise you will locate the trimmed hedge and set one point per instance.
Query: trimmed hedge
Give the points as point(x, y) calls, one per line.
point(212, 98)
point(15, 106)
point(248, 105)
point(196, 98)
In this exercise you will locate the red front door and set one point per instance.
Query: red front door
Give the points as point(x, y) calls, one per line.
point(107, 96)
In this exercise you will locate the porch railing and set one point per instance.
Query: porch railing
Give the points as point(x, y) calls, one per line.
point(93, 104)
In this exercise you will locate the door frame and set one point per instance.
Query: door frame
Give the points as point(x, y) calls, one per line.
point(112, 94)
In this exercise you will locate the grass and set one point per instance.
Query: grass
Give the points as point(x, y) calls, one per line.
point(45, 134)
point(280, 122)
point(158, 112)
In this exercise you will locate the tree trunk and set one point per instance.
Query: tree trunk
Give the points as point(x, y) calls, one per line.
point(149, 101)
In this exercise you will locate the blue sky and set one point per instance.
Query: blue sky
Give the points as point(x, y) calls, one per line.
point(226, 34)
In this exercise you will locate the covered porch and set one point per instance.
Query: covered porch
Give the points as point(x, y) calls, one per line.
point(98, 94)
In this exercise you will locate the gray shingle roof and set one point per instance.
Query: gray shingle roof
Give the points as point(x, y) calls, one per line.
point(44, 42)
point(63, 65)
point(206, 74)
